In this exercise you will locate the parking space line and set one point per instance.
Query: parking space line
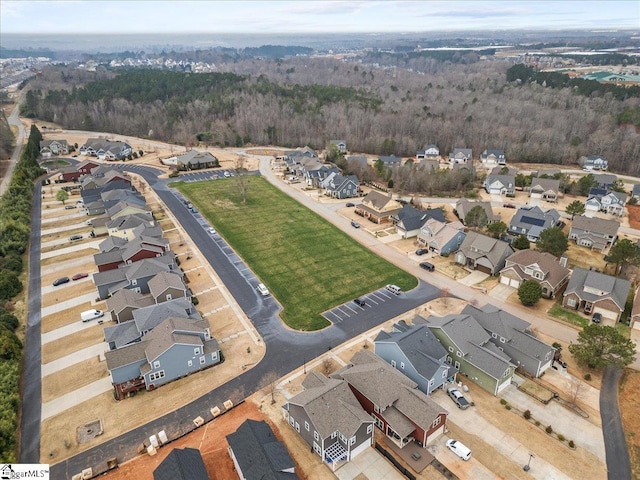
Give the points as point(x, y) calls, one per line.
point(340, 310)
point(347, 305)
point(369, 299)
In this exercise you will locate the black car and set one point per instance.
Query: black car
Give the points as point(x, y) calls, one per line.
point(422, 251)
point(349, 204)
point(70, 207)
point(428, 266)
point(60, 281)
point(359, 301)
point(75, 237)
point(597, 317)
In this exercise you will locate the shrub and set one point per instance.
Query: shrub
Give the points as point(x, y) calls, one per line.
point(9, 320)
point(503, 401)
point(561, 437)
point(195, 300)
point(548, 429)
point(537, 423)
point(587, 376)
point(527, 414)
point(571, 444)
point(508, 407)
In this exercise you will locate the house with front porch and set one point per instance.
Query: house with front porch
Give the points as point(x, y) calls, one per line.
point(593, 232)
point(341, 145)
point(491, 158)
point(409, 220)
point(464, 206)
point(532, 221)
point(479, 252)
point(417, 353)
point(441, 238)
point(613, 203)
point(402, 412)
point(547, 189)
point(591, 292)
point(378, 207)
point(430, 152)
point(470, 350)
point(338, 186)
point(541, 267)
point(594, 162)
point(329, 418)
point(49, 148)
point(514, 336)
point(461, 156)
point(500, 185)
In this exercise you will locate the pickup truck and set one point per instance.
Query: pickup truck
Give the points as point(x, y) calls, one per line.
point(457, 397)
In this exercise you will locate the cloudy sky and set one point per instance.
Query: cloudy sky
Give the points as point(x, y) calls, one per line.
point(121, 16)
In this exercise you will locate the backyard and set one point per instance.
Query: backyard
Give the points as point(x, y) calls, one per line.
point(308, 264)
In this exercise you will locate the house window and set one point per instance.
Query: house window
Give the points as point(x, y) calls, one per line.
point(436, 422)
point(369, 428)
point(376, 408)
point(451, 349)
point(334, 434)
point(306, 426)
point(444, 374)
point(292, 421)
point(203, 360)
point(196, 351)
point(316, 435)
point(297, 427)
point(571, 302)
point(458, 354)
point(506, 373)
point(502, 340)
point(156, 375)
point(156, 364)
point(352, 440)
point(190, 363)
point(214, 356)
point(316, 448)
point(134, 282)
point(494, 335)
point(431, 382)
point(393, 363)
point(449, 359)
point(402, 365)
point(457, 365)
point(343, 439)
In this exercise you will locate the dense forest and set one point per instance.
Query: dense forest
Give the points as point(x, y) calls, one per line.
point(377, 109)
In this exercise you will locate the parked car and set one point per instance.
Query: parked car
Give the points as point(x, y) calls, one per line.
point(349, 204)
point(422, 251)
point(355, 224)
point(79, 276)
point(459, 449)
point(428, 266)
point(458, 398)
point(396, 290)
point(263, 290)
point(211, 231)
point(194, 210)
point(69, 207)
point(60, 281)
point(597, 317)
point(91, 314)
point(509, 205)
point(360, 302)
point(73, 238)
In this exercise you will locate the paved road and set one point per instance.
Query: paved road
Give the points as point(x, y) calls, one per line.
point(14, 120)
point(286, 350)
point(618, 465)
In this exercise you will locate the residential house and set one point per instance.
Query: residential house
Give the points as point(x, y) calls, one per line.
point(340, 144)
point(166, 286)
point(613, 203)
point(532, 221)
point(130, 252)
point(541, 267)
point(146, 318)
point(464, 206)
point(461, 155)
point(378, 207)
point(99, 204)
point(135, 276)
point(483, 253)
point(592, 204)
point(491, 158)
point(91, 182)
point(409, 220)
point(182, 464)
point(258, 455)
point(329, 418)
point(500, 185)
point(513, 336)
point(431, 152)
point(123, 303)
point(471, 351)
point(634, 321)
point(105, 149)
point(400, 410)
point(595, 233)
point(440, 237)
point(317, 172)
point(594, 162)
point(338, 186)
point(175, 348)
point(593, 292)
point(95, 195)
point(390, 161)
point(605, 180)
point(547, 189)
point(635, 193)
point(125, 226)
point(74, 172)
point(195, 160)
point(53, 147)
point(418, 354)
point(124, 208)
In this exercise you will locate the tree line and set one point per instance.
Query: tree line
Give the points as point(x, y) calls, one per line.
point(15, 231)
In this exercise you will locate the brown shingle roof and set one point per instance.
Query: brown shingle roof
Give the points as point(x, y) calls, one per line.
point(554, 272)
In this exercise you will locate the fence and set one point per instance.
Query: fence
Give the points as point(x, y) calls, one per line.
point(395, 462)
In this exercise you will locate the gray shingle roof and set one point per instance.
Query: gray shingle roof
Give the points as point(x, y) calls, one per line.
point(164, 280)
point(464, 206)
point(149, 317)
point(596, 225)
point(594, 286)
point(413, 219)
point(173, 331)
point(476, 245)
point(182, 464)
point(128, 298)
point(545, 185)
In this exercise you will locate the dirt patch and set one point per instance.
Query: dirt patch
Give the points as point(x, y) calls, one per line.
point(72, 343)
point(633, 212)
point(629, 401)
point(89, 430)
point(67, 379)
point(584, 257)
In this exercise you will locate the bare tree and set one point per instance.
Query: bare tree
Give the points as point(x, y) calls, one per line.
point(270, 381)
point(242, 179)
point(575, 392)
point(445, 293)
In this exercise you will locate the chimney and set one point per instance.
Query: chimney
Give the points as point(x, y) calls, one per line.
point(563, 261)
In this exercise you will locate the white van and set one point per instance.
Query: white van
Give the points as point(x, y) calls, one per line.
point(459, 449)
point(394, 289)
point(91, 314)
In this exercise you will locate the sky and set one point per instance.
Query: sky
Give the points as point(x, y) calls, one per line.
point(312, 16)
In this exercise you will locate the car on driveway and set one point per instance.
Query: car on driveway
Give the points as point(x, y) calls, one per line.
point(263, 290)
point(355, 224)
point(73, 238)
point(70, 207)
point(79, 276)
point(458, 398)
point(597, 317)
point(194, 210)
point(422, 251)
point(60, 281)
point(349, 204)
point(360, 302)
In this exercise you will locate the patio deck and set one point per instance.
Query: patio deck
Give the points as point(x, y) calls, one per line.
point(408, 457)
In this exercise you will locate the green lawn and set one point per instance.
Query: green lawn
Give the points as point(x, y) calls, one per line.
point(308, 264)
point(567, 315)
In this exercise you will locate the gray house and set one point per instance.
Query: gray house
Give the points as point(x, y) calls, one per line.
point(491, 158)
point(328, 416)
point(341, 145)
point(175, 348)
point(532, 221)
point(182, 464)
point(123, 303)
point(513, 336)
point(471, 351)
point(594, 162)
point(500, 185)
point(483, 253)
point(595, 233)
point(441, 238)
point(464, 206)
point(391, 161)
point(410, 220)
point(461, 155)
point(430, 152)
point(547, 189)
point(258, 455)
point(417, 353)
point(338, 186)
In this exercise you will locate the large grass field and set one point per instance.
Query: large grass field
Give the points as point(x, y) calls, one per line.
point(308, 264)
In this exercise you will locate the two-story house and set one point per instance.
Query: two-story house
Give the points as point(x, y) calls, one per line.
point(595, 233)
point(430, 152)
point(378, 207)
point(329, 418)
point(53, 147)
point(532, 221)
point(594, 162)
point(500, 185)
point(461, 156)
point(409, 220)
point(341, 145)
point(338, 186)
point(441, 238)
point(541, 267)
point(464, 206)
point(483, 253)
point(491, 158)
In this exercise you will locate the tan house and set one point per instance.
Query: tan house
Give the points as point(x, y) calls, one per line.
point(440, 237)
point(378, 207)
point(547, 189)
point(540, 267)
point(122, 304)
point(166, 286)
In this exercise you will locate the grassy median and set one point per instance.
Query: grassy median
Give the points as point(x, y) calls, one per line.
point(308, 264)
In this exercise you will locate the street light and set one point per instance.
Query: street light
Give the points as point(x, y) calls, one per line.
point(527, 467)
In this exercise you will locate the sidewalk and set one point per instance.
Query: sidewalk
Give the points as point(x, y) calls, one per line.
point(78, 246)
point(61, 332)
point(74, 302)
point(73, 358)
point(71, 399)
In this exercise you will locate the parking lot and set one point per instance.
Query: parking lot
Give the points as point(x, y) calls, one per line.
point(350, 310)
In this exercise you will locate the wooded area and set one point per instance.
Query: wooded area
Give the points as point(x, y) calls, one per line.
point(308, 101)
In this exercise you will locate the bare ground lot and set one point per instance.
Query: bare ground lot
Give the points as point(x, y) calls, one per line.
point(68, 316)
point(629, 401)
point(67, 380)
point(71, 343)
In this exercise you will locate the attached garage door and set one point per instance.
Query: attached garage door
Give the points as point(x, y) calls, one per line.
point(504, 280)
point(515, 283)
point(361, 448)
point(504, 385)
point(434, 435)
point(483, 269)
point(605, 313)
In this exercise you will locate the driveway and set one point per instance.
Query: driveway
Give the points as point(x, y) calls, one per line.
point(501, 292)
point(371, 464)
point(474, 277)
